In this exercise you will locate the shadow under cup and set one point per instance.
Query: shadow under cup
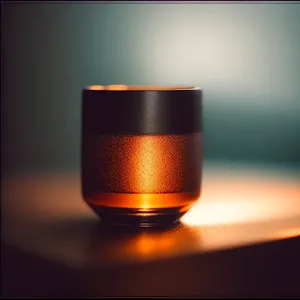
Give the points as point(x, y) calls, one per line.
point(141, 153)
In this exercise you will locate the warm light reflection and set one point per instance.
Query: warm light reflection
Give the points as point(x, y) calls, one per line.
point(146, 201)
point(217, 213)
point(116, 87)
point(289, 233)
point(122, 87)
point(147, 157)
point(147, 244)
point(96, 88)
point(136, 201)
point(160, 88)
point(243, 201)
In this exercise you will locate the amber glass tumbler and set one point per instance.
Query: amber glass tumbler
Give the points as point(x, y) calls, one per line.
point(141, 153)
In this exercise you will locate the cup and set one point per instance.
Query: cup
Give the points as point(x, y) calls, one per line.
point(141, 153)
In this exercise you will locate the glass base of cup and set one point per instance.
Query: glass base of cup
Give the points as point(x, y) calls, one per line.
point(142, 210)
point(161, 218)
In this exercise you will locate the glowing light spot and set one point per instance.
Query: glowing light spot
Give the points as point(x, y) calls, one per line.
point(96, 88)
point(117, 87)
point(146, 201)
point(239, 201)
point(289, 233)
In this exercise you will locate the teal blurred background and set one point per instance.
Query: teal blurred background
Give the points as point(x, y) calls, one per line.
point(246, 57)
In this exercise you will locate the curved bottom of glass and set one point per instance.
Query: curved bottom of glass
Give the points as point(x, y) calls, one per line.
point(142, 210)
point(161, 218)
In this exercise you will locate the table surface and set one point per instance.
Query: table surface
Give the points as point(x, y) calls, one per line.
point(247, 219)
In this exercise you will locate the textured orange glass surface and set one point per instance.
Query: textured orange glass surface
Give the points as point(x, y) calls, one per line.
point(142, 172)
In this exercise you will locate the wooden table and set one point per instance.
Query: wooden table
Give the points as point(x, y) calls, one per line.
point(240, 239)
